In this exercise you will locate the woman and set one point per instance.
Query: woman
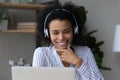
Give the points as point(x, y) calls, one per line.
point(61, 28)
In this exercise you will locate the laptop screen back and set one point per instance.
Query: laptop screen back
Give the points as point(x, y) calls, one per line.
point(43, 73)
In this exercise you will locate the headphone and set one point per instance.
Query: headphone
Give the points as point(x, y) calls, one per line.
point(64, 10)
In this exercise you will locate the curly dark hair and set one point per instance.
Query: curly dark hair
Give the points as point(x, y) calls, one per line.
point(78, 12)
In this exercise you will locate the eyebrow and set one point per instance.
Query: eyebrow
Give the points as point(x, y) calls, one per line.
point(64, 29)
point(68, 29)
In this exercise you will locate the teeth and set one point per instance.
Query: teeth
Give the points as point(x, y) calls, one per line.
point(63, 43)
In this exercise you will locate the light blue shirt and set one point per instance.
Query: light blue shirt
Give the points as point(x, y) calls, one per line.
point(48, 57)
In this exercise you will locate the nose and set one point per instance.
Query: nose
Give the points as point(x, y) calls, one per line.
point(61, 36)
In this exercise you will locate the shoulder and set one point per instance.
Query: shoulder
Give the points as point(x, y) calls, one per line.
point(42, 50)
point(82, 50)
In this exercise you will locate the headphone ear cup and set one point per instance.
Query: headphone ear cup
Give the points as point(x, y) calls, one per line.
point(46, 33)
point(76, 29)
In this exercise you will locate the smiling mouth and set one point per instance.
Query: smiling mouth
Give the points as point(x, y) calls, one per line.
point(61, 44)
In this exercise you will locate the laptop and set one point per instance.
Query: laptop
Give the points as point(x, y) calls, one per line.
point(43, 73)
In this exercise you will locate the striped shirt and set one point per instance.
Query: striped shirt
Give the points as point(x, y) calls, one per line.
point(48, 57)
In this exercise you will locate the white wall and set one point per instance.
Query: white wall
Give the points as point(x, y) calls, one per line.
point(103, 15)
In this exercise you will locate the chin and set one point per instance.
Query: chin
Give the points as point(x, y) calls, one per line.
point(61, 47)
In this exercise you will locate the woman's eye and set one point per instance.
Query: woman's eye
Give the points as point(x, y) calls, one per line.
point(67, 31)
point(55, 33)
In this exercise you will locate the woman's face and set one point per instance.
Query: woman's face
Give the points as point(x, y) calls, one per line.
point(61, 33)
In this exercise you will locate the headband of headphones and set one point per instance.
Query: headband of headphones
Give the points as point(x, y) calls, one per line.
point(50, 13)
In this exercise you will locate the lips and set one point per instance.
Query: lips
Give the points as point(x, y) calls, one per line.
point(61, 45)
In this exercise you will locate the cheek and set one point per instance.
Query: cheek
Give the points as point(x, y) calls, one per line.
point(71, 36)
point(52, 38)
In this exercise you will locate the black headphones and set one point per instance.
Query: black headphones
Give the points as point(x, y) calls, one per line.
point(65, 10)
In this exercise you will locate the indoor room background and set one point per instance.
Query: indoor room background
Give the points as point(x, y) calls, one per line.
point(103, 15)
